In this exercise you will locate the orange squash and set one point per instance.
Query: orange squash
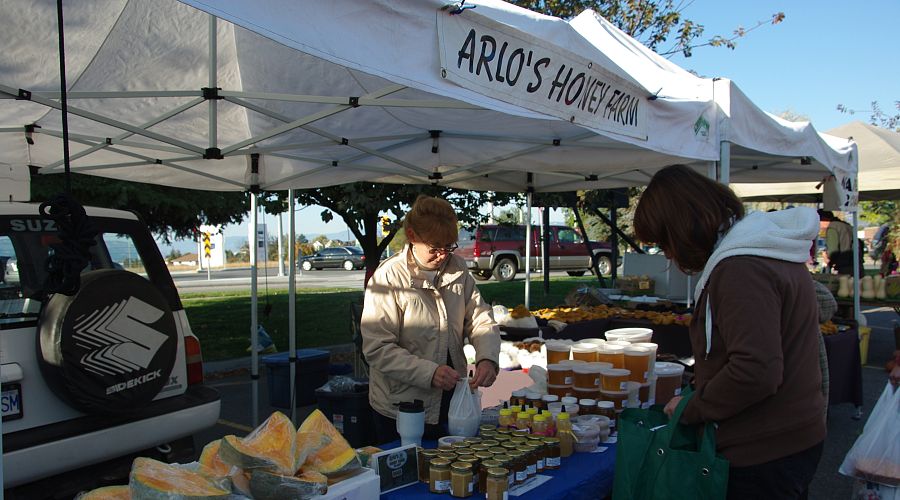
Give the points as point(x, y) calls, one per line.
point(335, 457)
point(271, 446)
point(107, 493)
point(209, 458)
point(152, 479)
point(264, 484)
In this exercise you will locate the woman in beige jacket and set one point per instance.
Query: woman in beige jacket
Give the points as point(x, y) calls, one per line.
point(421, 305)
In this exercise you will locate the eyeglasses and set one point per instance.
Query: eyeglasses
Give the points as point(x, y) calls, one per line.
point(447, 249)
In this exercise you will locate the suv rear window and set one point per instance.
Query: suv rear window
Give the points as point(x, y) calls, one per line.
point(25, 245)
point(510, 233)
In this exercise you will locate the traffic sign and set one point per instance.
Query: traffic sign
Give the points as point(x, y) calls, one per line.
point(207, 246)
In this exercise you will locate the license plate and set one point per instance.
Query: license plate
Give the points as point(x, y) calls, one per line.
point(11, 402)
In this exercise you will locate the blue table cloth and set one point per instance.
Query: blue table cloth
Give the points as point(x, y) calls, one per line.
point(583, 476)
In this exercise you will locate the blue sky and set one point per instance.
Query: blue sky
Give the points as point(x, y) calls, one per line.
point(823, 54)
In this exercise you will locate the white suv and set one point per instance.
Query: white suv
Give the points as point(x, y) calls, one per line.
point(108, 372)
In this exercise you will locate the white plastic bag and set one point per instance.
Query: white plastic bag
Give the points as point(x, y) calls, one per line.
point(465, 410)
point(875, 456)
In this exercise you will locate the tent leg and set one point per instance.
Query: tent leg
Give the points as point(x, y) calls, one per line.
point(254, 317)
point(528, 244)
point(292, 303)
point(213, 83)
point(856, 267)
point(725, 162)
point(545, 248)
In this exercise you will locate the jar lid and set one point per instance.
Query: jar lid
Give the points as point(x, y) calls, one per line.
point(430, 451)
point(440, 463)
point(616, 372)
point(491, 463)
point(518, 393)
point(605, 404)
point(588, 368)
point(483, 455)
point(634, 350)
point(532, 395)
point(461, 466)
point(610, 348)
point(668, 369)
point(599, 364)
point(532, 411)
point(540, 418)
point(498, 472)
point(550, 398)
point(559, 367)
point(515, 409)
point(569, 400)
point(587, 402)
point(505, 412)
point(522, 414)
point(562, 416)
point(551, 440)
point(584, 347)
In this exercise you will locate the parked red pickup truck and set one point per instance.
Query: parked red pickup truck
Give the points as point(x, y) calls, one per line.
point(499, 250)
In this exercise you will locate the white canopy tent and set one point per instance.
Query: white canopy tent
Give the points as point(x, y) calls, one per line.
point(278, 94)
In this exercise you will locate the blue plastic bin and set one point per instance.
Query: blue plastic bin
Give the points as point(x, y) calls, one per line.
point(311, 373)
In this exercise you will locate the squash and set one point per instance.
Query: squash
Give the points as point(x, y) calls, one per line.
point(265, 485)
point(271, 446)
point(209, 458)
point(335, 457)
point(107, 493)
point(154, 480)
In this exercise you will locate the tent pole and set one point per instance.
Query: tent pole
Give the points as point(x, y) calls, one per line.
point(280, 245)
point(725, 162)
point(711, 170)
point(528, 244)
point(545, 248)
point(856, 269)
point(292, 302)
point(254, 317)
point(213, 81)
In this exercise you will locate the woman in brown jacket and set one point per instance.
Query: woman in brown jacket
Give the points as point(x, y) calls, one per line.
point(421, 305)
point(754, 331)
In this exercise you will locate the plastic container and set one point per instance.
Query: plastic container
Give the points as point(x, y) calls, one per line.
point(560, 391)
point(556, 352)
point(585, 352)
point(569, 400)
point(653, 350)
point(350, 414)
point(637, 361)
point(571, 362)
point(596, 341)
point(668, 381)
point(588, 406)
point(645, 396)
point(632, 335)
point(559, 374)
point(623, 343)
point(614, 379)
point(627, 398)
point(587, 375)
point(311, 372)
point(612, 354)
point(547, 399)
point(583, 393)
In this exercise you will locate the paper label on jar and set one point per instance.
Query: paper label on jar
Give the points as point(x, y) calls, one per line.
point(531, 469)
point(471, 486)
point(646, 375)
point(553, 461)
point(678, 391)
point(623, 385)
point(568, 380)
point(505, 495)
point(597, 382)
point(521, 475)
point(612, 423)
point(540, 464)
point(442, 485)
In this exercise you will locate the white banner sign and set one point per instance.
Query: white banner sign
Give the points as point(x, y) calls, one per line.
point(498, 61)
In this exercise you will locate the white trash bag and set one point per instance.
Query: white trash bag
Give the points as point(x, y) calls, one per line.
point(875, 457)
point(465, 410)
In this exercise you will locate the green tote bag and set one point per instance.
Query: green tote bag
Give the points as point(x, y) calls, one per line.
point(658, 458)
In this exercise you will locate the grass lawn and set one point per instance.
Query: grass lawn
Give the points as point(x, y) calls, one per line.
point(221, 320)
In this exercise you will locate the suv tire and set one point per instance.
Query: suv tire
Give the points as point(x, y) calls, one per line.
point(348, 265)
point(111, 346)
point(481, 275)
point(505, 269)
point(306, 266)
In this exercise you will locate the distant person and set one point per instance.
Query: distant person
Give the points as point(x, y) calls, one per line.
point(839, 244)
point(755, 330)
point(882, 253)
point(421, 306)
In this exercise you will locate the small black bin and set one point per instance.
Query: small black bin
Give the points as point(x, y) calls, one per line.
point(311, 373)
point(350, 413)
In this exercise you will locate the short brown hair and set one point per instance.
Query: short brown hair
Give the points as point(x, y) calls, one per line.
point(433, 220)
point(683, 212)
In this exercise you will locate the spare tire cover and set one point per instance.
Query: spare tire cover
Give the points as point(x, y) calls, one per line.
point(109, 348)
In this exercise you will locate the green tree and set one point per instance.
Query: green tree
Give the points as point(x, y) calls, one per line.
point(172, 213)
point(652, 22)
point(174, 254)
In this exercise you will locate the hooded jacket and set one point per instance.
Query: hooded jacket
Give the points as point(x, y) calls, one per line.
point(409, 325)
point(755, 340)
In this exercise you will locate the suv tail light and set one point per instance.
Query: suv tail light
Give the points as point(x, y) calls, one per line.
point(194, 360)
point(475, 251)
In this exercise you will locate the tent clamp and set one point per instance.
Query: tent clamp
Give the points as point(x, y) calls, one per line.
point(211, 92)
point(435, 176)
point(23, 95)
point(354, 102)
point(435, 134)
point(344, 141)
point(556, 142)
point(655, 96)
point(254, 173)
point(29, 133)
point(805, 160)
point(108, 141)
point(591, 178)
point(213, 154)
point(157, 161)
point(334, 163)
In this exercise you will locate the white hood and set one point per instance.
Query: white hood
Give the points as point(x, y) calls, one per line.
point(784, 235)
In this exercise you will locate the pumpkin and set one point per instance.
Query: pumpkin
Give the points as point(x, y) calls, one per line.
point(209, 458)
point(271, 446)
point(265, 485)
point(107, 493)
point(154, 480)
point(335, 457)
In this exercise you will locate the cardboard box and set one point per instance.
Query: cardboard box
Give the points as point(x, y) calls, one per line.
point(670, 282)
point(363, 486)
